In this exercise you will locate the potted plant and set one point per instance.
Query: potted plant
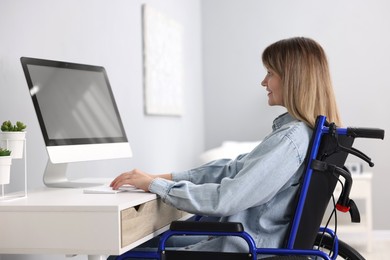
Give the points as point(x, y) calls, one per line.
point(13, 137)
point(5, 165)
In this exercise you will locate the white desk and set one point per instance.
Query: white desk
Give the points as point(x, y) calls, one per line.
point(361, 190)
point(67, 221)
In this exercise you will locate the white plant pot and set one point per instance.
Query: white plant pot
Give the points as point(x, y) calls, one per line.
point(5, 169)
point(13, 141)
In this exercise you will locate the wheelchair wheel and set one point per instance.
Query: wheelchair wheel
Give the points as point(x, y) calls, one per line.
point(345, 250)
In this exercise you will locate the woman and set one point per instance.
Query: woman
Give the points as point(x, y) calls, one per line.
point(257, 188)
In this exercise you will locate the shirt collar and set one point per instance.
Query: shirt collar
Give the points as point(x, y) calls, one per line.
point(281, 120)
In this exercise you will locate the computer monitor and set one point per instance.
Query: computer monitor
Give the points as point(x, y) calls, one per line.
point(77, 115)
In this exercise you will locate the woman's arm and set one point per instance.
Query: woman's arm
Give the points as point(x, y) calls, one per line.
point(265, 171)
point(167, 176)
point(212, 172)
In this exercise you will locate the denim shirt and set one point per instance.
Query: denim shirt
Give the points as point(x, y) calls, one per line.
point(256, 189)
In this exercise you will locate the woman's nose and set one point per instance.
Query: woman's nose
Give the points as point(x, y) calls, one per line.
point(263, 83)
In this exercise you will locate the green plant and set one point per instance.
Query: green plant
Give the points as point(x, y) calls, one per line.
point(7, 126)
point(4, 152)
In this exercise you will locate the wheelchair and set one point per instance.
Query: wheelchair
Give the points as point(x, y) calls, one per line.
point(328, 150)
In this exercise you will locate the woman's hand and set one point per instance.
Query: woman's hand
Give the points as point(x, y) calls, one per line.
point(137, 178)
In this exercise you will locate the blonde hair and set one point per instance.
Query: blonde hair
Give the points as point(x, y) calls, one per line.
point(302, 65)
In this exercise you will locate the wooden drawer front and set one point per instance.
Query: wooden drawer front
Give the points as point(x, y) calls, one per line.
point(137, 222)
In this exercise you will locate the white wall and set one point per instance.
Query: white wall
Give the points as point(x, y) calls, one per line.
point(106, 33)
point(355, 35)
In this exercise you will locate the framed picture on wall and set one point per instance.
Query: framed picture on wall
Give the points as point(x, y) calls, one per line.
point(162, 46)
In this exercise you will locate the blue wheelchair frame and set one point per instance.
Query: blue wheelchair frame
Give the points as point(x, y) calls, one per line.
point(322, 128)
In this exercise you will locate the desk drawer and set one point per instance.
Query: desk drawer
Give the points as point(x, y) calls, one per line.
point(140, 221)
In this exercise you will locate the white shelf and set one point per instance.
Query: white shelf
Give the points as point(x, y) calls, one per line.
point(361, 191)
point(11, 195)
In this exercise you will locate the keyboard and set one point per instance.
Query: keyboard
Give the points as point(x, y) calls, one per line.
point(105, 189)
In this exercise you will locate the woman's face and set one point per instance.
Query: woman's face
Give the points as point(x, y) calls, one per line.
point(273, 85)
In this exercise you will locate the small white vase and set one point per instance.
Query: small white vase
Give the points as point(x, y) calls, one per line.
point(5, 169)
point(13, 141)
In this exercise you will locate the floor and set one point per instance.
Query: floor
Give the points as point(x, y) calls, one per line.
point(380, 246)
point(380, 251)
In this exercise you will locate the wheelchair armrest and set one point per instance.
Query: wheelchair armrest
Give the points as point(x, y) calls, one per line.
point(234, 227)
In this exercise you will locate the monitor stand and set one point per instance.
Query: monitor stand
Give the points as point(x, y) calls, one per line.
point(55, 177)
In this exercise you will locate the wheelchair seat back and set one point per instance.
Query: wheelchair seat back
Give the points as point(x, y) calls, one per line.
point(320, 189)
